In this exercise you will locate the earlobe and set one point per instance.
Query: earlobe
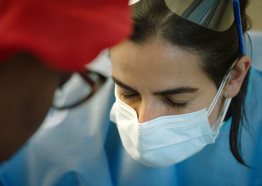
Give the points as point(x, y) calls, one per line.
point(237, 76)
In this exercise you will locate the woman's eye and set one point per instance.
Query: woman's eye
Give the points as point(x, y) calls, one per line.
point(128, 97)
point(177, 105)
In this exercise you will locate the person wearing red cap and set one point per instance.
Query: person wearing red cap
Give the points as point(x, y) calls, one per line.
point(41, 44)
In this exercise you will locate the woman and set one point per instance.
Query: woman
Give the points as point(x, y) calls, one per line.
point(177, 83)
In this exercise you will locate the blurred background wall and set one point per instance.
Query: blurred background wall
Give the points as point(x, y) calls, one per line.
point(255, 13)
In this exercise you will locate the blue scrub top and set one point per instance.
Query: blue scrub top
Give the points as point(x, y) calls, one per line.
point(82, 147)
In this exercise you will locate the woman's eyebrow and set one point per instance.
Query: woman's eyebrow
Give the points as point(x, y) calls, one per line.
point(180, 90)
point(119, 83)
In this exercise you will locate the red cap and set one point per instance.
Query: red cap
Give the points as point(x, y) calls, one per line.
point(64, 34)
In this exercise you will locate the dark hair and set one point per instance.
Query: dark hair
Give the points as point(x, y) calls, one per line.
point(217, 51)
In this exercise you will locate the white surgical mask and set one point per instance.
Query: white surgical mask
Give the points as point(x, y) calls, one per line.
point(166, 140)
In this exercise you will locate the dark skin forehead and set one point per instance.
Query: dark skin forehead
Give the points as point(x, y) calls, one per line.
point(27, 88)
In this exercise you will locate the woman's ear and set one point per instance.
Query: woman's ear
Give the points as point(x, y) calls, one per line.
point(237, 76)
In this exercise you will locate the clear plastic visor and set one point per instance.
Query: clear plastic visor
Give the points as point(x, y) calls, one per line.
point(216, 15)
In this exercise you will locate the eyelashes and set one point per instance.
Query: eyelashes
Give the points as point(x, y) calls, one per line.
point(177, 105)
point(166, 100)
point(128, 97)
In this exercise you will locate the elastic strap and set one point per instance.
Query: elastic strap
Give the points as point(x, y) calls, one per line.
point(213, 104)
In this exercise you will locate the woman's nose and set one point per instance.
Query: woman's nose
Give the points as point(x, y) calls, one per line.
point(147, 111)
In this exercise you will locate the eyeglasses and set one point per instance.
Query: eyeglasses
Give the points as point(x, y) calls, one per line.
point(76, 93)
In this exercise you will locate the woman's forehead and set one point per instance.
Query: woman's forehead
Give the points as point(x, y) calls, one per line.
point(156, 63)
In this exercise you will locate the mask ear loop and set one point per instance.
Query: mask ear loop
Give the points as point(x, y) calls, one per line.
point(221, 89)
point(213, 104)
point(226, 107)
